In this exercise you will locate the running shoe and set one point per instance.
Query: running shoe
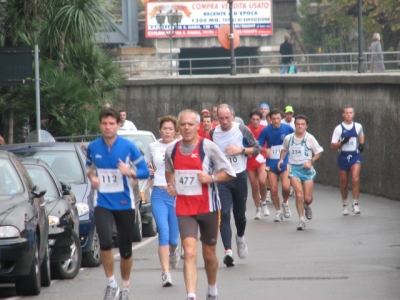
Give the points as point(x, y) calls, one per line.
point(265, 209)
point(291, 192)
point(191, 298)
point(286, 210)
point(345, 210)
point(302, 225)
point(124, 295)
point(356, 208)
point(278, 217)
point(228, 259)
point(166, 279)
point(209, 297)
point(174, 258)
point(268, 199)
point(258, 214)
point(112, 293)
point(241, 248)
point(308, 211)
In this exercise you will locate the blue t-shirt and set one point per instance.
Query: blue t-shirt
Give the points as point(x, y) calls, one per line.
point(274, 138)
point(115, 192)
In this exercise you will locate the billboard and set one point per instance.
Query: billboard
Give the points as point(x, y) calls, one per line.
point(203, 18)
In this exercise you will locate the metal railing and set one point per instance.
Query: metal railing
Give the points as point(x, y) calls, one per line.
point(325, 62)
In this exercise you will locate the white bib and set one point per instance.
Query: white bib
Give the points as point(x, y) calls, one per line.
point(110, 181)
point(187, 183)
point(233, 160)
point(351, 145)
point(276, 152)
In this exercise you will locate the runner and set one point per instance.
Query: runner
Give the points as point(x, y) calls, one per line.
point(113, 157)
point(264, 110)
point(206, 128)
point(303, 151)
point(289, 121)
point(236, 141)
point(274, 135)
point(193, 168)
point(162, 204)
point(256, 169)
point(348, 137)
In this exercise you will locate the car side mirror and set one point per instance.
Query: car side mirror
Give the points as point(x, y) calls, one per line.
point(38, 191)
point(66, 188)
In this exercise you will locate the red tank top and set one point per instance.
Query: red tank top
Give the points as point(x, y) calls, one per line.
point(252, 163)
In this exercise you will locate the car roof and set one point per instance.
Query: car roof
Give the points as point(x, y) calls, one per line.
point(29, 147)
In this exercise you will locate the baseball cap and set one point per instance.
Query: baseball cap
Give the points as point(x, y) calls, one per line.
point(262, 105)
point(289, 109)
point(205, 111)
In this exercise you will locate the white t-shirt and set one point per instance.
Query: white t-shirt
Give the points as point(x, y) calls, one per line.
point(156, 153)
point(283, 121)
point(128, 125)
point(337, 133)
point(300, 153)
point(264, 122)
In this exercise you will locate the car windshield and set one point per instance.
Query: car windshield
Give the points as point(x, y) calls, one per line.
point(10, 182)
point(141, 141)
point(41, 177)
point(65, 164)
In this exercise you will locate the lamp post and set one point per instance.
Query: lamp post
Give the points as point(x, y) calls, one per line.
point(231, 38)
point(174, 18)
point(361, 57)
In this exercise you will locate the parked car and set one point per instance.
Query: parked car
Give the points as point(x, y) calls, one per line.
point(65, 247)
point(24, 227)
point(67, 160)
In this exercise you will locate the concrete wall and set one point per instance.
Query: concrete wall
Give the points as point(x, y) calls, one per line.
point(376, 99)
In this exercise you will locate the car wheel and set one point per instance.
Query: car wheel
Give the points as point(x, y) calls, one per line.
point(45, 276)
point(92, 258)
point(69, 269)
point(150, 229)
point(137, 229)
point(30, 285)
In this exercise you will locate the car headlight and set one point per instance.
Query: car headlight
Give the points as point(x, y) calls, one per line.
point(7, 232)
point(83, 209)
point(53, 220)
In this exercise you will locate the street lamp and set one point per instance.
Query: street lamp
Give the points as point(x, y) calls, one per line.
point(361, 57)
point(174, 18)
point(231, 38)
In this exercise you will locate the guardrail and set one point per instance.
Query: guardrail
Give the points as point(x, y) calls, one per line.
point(325, 62)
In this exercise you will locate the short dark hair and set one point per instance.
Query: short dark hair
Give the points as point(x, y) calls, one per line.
point(206, 117)
point(347, 106)
point(255, 112)
point(167, 118)
point(122, 110)
point(109, 112)
point(301, 117)
point(275, 111)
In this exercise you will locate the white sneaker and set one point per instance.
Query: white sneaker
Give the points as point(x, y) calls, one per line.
point(166, 279)
point(356, 208)
point(265, 209)
point(278, 217)
point(302, 225)
point(210, 297)
point(174, 258)
point(241, 248)
point(228, 258)
point(268, 199)
point(345, 210)
point(291, 192)
point(258, 214)
point(286, 210)
point(308, 211)
point(112, 293)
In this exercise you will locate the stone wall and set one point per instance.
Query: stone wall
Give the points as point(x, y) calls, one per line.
point(376, 99)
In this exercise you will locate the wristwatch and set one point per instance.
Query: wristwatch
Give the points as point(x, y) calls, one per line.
point(214, 178)
point(243, 150)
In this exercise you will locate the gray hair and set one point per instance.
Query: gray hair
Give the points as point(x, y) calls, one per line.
point(187, 111)
point(376, 36)
point(224, 105)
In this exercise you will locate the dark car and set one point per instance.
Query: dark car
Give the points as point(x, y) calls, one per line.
point(67, 160)
point(65, 247)
point(24, 227)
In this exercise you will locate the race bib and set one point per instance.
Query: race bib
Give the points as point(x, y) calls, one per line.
point(351, 145)
point(296, 151)
point(110, 181)
point(233, 160)
point(260, 159)
point(187, 183)
point(276, 152)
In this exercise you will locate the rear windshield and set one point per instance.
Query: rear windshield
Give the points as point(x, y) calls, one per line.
point(10, 182)
point(65, 164)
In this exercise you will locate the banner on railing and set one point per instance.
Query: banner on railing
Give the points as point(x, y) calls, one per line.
point(203, 18)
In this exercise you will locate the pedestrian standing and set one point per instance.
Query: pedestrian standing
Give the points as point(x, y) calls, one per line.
point(274, 135)
point(286, 50)
point(236, 141)
point(112, 162)
point(193, 168)
point(377, 65)
point(304, 151)
point(162, 204)
point(348, 138)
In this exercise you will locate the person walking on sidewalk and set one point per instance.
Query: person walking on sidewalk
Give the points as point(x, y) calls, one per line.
point(193, 168)
point(236, 141)
point(348, 138)
point(274, 135)
point(162, 204)
point(112, 161)
point(303, 151)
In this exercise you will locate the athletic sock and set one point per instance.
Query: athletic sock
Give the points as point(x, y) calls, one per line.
point(125, 285)
point(112, 282)
point(191, 295)
point(212, 290)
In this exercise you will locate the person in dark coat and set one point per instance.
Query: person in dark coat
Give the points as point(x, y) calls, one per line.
point(286, 49)
point(377, 64)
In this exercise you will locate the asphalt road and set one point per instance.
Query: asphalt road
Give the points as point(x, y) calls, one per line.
point(336, 257)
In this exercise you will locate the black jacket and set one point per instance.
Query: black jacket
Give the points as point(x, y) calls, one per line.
point(286, 49)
